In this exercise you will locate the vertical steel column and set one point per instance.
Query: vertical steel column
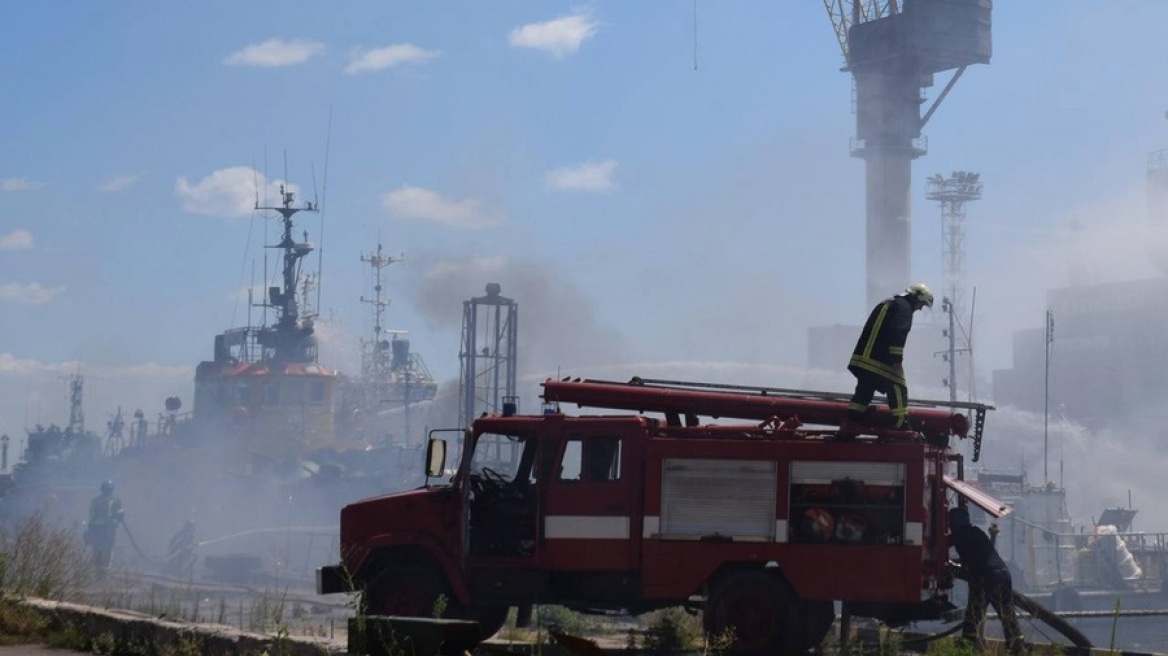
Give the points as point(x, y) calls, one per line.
point(488, 355)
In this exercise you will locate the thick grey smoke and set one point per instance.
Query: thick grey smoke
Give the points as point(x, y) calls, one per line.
point(558, 327)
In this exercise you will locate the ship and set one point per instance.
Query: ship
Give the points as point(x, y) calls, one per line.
point(1107, 579)
point(393, 379)
point(264, 387)
point(55, 458)
point(270, 450)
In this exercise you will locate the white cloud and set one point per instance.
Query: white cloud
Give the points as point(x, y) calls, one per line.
point(425, 205)
point(559, 37)
point(387, 57)
point(119, 183)
point(17, 240)
point(275, 52)
point(10, 364)
point(229, 192)
point(145, 370)
point(19, 184)
point(32, 293)
point(589, 176)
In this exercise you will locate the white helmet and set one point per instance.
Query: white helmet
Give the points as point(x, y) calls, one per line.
point(920, 292)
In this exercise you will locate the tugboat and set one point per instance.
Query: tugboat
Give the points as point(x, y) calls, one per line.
point(265, 386)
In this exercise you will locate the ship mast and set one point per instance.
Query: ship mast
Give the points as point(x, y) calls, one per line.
point(375, 354)
point(291, 338)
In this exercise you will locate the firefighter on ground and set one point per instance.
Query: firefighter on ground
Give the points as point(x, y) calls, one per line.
point(105, 513)
point(877, 362)
point(180, 555)
point(989, 583)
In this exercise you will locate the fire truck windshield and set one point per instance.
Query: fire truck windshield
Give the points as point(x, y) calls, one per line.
point(503, 458)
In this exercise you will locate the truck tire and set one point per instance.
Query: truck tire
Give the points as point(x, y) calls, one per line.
point(491, 620)
point(762, 612)
point(404, 591)
point(820, 617)
point(414, 591)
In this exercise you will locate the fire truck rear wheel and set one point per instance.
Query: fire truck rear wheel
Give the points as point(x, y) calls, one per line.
point(820, 616)
point(761, 611)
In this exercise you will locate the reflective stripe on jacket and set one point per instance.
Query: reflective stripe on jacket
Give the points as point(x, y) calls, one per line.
point(881, 344)
point(104, 510)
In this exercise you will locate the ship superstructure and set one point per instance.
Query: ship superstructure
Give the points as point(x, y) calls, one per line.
point(392, 378)
point(265, 384)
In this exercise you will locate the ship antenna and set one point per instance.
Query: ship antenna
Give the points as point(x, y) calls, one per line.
point(247, 247)
point(255, 175)
point(320, 205)
point(251, 293)
point(265, 296)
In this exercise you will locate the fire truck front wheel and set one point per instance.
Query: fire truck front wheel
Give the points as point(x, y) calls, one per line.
point(492, 619)
point(408, 592)
point(760, 611)
point(421, 590)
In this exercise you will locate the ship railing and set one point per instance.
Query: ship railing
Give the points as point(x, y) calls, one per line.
point(243, 344)
point(1070, 558)
point(166, 424)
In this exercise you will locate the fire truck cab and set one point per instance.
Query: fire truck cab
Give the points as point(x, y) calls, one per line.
point(763, 525)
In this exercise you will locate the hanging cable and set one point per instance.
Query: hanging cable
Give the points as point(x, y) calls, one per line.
point(695, 34)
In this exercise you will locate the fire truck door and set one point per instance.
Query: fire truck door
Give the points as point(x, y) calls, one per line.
point(589, 511)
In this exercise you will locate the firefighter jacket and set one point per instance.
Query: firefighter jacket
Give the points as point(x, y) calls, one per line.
point(881, 345)
point(105, 511)
point(977, 553)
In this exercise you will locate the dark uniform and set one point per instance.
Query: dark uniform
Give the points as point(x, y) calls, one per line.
point(877, 360)
point(989, 582)
point(180, 556)
point(105, 512)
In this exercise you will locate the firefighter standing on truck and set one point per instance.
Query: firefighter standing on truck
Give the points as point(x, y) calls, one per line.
point(877, 361)
point(989, 583)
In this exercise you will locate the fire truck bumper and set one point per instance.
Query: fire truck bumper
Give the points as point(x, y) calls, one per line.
point(330, 579)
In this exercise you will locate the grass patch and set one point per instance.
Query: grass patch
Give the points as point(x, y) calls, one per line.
point(40, 559)
point(19, 625)
point(669, 630)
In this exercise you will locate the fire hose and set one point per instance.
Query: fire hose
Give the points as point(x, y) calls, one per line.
point(138, 549)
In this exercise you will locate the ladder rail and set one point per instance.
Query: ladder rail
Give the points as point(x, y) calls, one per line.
point(717, 401)
point(779, 391)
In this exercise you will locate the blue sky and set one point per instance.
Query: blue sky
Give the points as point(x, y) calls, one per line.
point(640, 209)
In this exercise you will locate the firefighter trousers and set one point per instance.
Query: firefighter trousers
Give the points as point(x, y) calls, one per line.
point(867, 384)
point(996, 590)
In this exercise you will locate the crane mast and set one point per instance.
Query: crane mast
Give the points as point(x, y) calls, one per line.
point(893, 49)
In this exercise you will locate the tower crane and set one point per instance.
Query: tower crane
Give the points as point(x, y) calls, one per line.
point(892, 49)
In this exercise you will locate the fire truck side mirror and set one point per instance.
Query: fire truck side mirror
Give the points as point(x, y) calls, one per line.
point(435, 457)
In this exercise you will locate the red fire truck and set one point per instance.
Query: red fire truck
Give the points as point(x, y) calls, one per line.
point(761, 523)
